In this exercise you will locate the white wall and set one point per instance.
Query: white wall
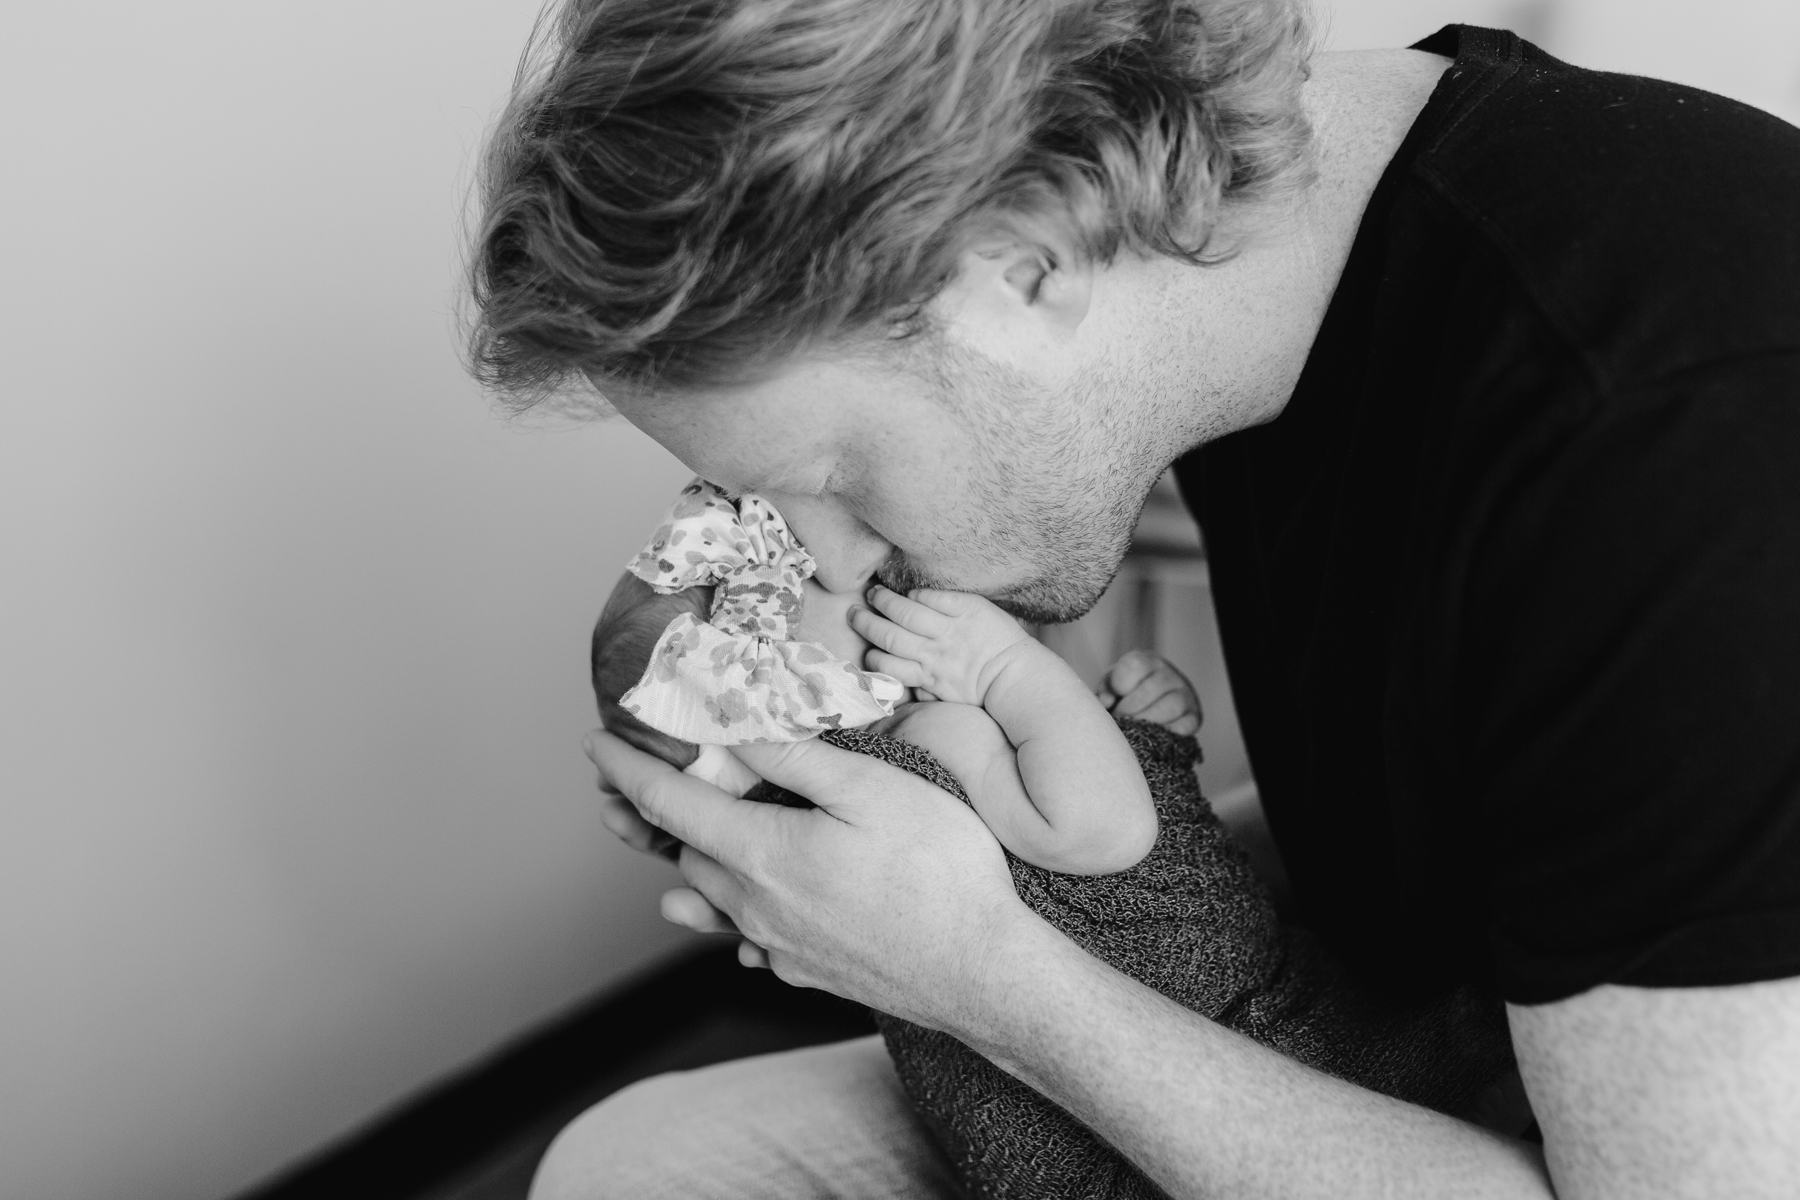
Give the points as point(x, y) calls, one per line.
point(293, 815)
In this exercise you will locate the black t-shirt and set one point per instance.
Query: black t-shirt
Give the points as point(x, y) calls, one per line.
point(1510, 591)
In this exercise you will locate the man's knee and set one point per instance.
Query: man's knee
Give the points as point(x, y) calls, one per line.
point(825, 1122)
point(627, 1145)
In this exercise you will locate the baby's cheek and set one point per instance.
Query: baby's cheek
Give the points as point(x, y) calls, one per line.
point(825, 618)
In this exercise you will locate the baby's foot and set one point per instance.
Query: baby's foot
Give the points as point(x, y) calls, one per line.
point(952, 645)
point(1148, 687)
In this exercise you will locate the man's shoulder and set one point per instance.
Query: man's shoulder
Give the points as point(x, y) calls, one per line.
point(1652, 224)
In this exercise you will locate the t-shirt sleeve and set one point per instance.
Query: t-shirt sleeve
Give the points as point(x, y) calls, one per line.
point(1628, 700)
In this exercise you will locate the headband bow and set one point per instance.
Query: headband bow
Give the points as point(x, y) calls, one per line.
point(740, 678)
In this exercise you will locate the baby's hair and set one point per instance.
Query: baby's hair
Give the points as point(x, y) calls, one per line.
point(634, 618)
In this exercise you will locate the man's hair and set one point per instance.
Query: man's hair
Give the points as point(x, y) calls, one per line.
point(628, 630)
point(686, 193)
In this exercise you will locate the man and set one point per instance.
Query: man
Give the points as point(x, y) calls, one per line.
point(1482, 375)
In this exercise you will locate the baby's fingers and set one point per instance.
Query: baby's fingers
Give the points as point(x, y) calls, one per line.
point(950, 604)
point(884, 634)
point(909, 614)
point(906, 670)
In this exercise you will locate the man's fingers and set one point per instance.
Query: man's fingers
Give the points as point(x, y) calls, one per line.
point(806, 768)
point(688, 908)
point(624, 821)
point(687, 808)
point(752, 955)
point(713, 881)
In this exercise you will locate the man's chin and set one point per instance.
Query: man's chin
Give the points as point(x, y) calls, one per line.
point(1050, 603)
point(1060, 597)
point(1047, 599)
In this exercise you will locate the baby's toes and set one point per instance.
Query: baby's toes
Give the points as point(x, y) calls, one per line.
point(1169, 709)
point(1186, 725)
point(1134, 669)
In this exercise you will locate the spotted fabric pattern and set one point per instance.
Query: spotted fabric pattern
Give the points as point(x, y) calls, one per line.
point(739, 677)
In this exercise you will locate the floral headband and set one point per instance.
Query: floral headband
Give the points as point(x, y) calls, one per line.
point(740, 678)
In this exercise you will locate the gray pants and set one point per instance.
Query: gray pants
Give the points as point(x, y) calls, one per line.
point(827, 1123)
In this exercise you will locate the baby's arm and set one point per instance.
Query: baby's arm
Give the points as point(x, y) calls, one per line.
point(1083, 807)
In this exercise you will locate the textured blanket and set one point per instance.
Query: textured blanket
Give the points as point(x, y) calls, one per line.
point(1192, 922)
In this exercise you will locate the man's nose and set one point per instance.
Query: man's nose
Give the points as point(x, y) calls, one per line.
point(847, 551)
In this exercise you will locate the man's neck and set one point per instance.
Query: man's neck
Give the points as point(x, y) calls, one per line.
point(1258, 313)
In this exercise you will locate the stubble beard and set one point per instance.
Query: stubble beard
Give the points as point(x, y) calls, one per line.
point(1059, 492)
point(1068, 580)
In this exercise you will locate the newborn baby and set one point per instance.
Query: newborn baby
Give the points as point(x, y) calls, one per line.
point(1037, 755)
point(1106, 833)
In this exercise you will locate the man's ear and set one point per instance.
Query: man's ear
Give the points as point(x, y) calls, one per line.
point(1023, 287)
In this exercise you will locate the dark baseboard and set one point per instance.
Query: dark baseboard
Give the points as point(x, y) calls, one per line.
point(571, 1062)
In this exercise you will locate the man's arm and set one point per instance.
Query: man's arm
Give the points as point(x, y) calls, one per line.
point(1690, 1092)
point(1640, 1093)
point(895, 895)
point(1205, 1111)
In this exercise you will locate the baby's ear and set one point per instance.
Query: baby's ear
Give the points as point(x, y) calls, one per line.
point(673, 751)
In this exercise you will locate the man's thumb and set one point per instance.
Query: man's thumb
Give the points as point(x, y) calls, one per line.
point(813, 768)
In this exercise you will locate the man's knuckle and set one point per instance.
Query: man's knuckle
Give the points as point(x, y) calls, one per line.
point(654, 798)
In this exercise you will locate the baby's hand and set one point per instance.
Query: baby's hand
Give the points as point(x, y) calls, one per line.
point(950, 644)
point(1148, 687)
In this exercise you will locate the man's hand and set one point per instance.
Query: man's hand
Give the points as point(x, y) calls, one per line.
point(1148, 687)
point(891, 892)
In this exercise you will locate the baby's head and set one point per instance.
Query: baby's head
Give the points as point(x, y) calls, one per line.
point(633, 621)
point(634, 618)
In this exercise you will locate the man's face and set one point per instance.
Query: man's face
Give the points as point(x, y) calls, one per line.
point(969, 476)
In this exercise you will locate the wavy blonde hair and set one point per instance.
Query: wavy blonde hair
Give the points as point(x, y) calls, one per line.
point(685, 193)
